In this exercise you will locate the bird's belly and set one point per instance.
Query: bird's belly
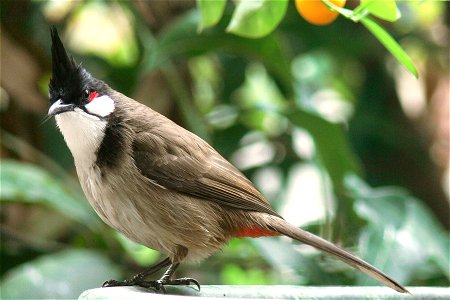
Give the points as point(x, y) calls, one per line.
point(114, 207)
point(153, 216)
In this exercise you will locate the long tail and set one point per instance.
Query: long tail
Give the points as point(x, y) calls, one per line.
point(284, 228)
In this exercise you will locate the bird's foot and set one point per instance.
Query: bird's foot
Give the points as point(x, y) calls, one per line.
point(112, 282)
point(136, 280)
point(159, 285)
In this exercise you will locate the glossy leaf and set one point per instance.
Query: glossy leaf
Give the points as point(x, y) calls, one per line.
point(22, 182)
point(210, 12)
point(255, 19)
point(386, 9)
point(382, 35)
point(386, 39)
point(401, 236)
point(61, 275)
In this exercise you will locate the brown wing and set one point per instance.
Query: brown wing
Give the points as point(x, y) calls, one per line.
point(179, 160)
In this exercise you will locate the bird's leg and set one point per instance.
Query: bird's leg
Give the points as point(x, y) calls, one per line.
point(138, 279)
point(166, 279)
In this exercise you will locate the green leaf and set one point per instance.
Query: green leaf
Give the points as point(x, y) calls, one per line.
point(388, 41)
point(331, 143)
point(22, 182)
point(181, 40)
point(61, 275)
point(386, 9)
point(281, 254)
point(210, 12)
point(359, 15)
point(401, 237)
point(255, 19)
point(348, 13)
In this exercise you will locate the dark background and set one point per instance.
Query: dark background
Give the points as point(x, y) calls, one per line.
point(335, 132)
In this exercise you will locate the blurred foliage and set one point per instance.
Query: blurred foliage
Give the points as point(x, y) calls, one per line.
point(329, 98)
point(397, 223)
point(30, 184)
point(50, 276)
point(258, 18)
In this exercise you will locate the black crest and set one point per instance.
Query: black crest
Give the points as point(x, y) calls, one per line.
point(67, 78)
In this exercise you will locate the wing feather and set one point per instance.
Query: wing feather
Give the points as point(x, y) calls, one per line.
point(179, 160)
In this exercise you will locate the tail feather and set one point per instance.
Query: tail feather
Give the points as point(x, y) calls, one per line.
point(281, 226)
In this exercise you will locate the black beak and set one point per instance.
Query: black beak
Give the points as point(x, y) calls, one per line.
point(59, 107)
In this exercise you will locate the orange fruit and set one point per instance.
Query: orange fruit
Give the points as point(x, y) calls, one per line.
point(316, 12)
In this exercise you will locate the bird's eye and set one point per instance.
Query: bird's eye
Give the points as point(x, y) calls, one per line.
point(90, 95)
point(86, 94)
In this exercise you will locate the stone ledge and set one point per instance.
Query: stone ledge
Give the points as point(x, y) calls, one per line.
point(266, 292)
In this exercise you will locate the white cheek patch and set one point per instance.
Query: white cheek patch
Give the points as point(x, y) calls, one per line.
point(86, 115)
point(100, 106)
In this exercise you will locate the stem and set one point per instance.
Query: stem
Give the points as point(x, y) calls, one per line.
point(343, 11)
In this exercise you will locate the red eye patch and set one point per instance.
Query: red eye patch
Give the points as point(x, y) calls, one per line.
point(92, 96)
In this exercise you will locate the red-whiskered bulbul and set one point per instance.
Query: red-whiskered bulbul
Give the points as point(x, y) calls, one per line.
point(159, 184)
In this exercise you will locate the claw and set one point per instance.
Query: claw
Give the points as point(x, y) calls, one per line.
point(195, 282)
point(159, 285)
point(180, 281)
point(127, 282)
point(162, 288)
point(186, 281)
point(112, 282)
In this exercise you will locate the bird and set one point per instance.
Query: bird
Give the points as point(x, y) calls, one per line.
point(159, 184)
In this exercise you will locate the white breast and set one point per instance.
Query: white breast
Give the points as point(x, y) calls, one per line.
point(83, 134)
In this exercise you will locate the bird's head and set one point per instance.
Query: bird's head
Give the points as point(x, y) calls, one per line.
point(83, 106)
point(73, 89)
